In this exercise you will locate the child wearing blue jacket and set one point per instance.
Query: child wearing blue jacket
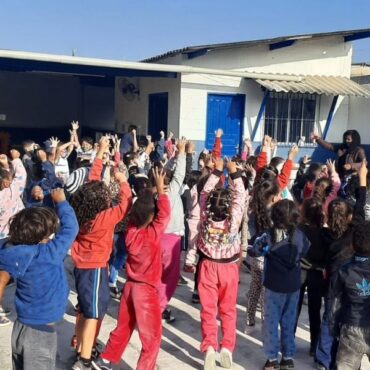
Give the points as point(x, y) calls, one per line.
point(33, 254)
point(283, 247)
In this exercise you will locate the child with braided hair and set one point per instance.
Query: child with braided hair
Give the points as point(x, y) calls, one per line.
point(219, 245)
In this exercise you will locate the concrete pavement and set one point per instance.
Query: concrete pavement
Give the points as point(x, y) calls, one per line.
point(181, 340)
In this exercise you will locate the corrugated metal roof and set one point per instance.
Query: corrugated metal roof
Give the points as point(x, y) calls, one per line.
point(275, 40)
point(323, 85)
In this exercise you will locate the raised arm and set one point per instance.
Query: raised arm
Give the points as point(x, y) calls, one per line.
point(217, 148)
point(284, 177)
point(97, 167)
point(20, 174)
point(359, 210)
point(179, 174)
point(324, 143)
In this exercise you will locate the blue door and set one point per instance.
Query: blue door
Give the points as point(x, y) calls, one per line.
point(226, 112)
point(158, 114)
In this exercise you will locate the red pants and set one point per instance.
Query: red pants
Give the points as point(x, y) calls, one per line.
point(218, 291)
point(139, 306)
point(171, 253)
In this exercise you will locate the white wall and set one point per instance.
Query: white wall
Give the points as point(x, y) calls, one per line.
point(136, 111)
point(359, 116)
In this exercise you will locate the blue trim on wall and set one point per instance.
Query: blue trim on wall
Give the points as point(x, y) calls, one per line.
point(197, 53)
point(18, 65)
point(357, 36)
point(281, 44)
point(260, 114)
point(330, 117)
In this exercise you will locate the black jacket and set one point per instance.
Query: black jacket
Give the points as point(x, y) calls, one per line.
point(350, 295)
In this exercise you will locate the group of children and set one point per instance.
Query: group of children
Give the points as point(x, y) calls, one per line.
point(141, 205)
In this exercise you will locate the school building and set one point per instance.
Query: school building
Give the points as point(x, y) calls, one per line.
point(286, 87)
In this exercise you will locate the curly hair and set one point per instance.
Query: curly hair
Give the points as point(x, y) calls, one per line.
point(261, 194)
point(322, 188)
point(89, 200)
point(32, 225)
point(312, 212)
point(285, 216)
point(339, 217)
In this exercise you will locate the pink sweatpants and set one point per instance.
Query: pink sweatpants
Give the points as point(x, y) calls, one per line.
point(171, 252)
point(218, 292)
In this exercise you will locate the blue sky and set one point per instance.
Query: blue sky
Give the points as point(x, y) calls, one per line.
point(136, 29)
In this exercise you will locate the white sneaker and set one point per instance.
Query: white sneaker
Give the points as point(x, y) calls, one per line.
point(4, 312)
point(226, 358)
point(210, 359)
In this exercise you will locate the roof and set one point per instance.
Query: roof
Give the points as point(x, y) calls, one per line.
point(322, 85)
point(274, 43)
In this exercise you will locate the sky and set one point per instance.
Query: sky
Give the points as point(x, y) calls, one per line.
point(136, 29)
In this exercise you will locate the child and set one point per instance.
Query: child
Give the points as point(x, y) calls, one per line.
point(338, 237)
point(283, 246)
point(350, 292)
point(219, 245)
point(34, 255)
point(92, 249)
point(266, 193)
point(140, 303)
point(12, 183)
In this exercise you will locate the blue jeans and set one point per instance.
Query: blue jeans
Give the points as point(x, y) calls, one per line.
point(280, 308)
point(118, 259)
point(327, 345)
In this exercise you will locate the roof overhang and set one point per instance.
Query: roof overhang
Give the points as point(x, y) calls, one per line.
point(322, 85)
point(50, 63)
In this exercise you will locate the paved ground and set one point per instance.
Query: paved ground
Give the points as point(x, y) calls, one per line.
point(180, 344)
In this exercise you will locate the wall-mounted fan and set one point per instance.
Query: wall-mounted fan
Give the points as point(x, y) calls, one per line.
point(128, 89)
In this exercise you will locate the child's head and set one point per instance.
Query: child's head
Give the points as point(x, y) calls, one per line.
point(89, 200)
point(322, 188)
point(339, 217)
point(277, 163)
point(144, 209)
point(312, 212)
point(285, 216)
point(6, 178)
point(218, 204)
point(140, 182)
point(193, 178)
point(33, 226)
point(361, 239)
point(87, 143)
point(313, 171)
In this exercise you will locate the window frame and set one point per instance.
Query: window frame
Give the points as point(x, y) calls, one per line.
point(289, 96)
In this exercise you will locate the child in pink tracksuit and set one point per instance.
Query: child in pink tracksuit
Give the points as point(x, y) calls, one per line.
point(219, 244)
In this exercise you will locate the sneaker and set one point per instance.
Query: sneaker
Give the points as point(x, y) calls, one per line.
point(4, 312)
point(226, 358)
point(182, 281)
point(79, 365)
point(210, 359)
point(195, 298)
point(320, 366)
point(4, 321)
point(115, 293)
point(286, 364)
point(166, 316)
point(271, 365)
point(101, 364)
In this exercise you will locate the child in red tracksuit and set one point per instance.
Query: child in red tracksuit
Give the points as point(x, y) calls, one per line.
point(92, 249)
point(219, 246)
point(140, 303)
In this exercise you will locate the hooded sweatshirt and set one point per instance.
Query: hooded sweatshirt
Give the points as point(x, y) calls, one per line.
point(144, 263)
point(42, 289)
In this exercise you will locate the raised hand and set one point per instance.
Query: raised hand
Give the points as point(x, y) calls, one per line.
point(104, 143)
point(54, 142)
point(331, 166)
point(159, 175)
point(362, 173)
point(267, 141)
point(4, 161)
point(293, 152)
point(120, 177)
point(190, 147)
point(75, 125)
point(219, 132)
point(58, 195)
point(181, 146)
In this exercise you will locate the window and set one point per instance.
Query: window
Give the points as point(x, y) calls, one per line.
point(290, 117)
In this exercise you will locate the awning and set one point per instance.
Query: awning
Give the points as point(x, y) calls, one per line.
point(323, 85)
